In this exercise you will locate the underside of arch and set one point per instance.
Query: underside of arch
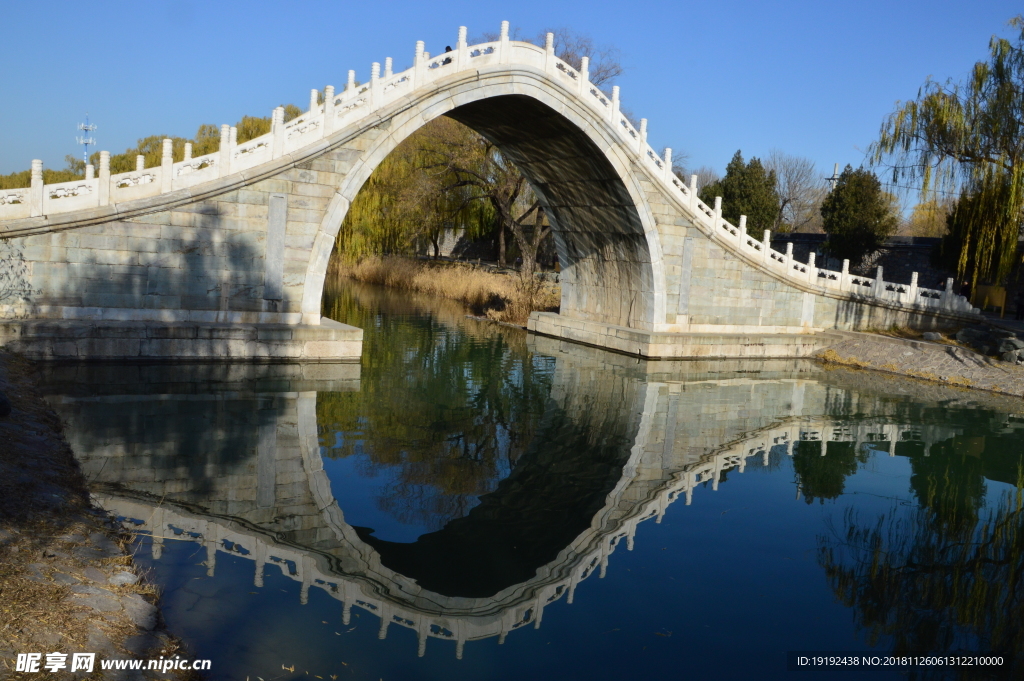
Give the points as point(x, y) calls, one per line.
point(601, 243)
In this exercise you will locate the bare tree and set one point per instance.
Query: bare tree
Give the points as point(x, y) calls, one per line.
point(705, 174)
point(571, 46)
point(800, 190)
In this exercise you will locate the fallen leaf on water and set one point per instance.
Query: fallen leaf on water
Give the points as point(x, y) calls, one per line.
point(658, 633)
point(288, 669)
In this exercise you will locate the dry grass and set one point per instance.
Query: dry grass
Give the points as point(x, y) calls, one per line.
point(45, 514)
point(948, 335)
point(830, 356)
point(501, 297)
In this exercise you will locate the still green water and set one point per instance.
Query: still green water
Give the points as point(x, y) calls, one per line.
point(474, 503)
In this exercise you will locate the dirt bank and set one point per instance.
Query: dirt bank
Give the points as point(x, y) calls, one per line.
point(67, 580)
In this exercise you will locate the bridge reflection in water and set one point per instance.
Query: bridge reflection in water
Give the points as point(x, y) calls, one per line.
point(231, 459)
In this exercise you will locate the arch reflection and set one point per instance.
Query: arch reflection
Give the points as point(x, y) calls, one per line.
point(240, 470)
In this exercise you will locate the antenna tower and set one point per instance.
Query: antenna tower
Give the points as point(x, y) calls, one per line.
point(85, 139)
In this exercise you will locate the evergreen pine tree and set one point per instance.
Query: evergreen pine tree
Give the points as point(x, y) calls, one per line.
point(857, 216)
point(747, 189)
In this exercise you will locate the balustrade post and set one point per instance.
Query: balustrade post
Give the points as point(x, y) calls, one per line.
point(693, 193)
point(421, 638)
point(503, 46)
point(946, 301)
point(104, 188)
point(225, 149)
point(90, 171)
point(328, 109)
point(188, 151)
point(717, 220)
point(766, 247)
point(140, 163)
point(912, 293)
point(549, 52)
point(387, 67)
point(460, 47)
point(166, 161)
point(417, 65)
point(643, 137)
point(314, 97)
point(584, 76)
point(667, 170)
point(879, 287)
point(233, 143)
point(741, 233)
point(613, 115)
point(375, 93)
point(277, 128)
point(844, 277)
point(812, 269)
point(36, 188)
point(789, 255)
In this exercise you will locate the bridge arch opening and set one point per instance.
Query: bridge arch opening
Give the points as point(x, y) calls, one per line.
point(605, 237)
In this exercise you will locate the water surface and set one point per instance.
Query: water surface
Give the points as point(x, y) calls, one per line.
point(472, 503)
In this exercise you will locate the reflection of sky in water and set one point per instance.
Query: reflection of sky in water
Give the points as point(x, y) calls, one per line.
point(360, 490)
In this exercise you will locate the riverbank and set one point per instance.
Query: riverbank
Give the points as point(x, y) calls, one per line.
point(500, 297)
point(945, 363)
point(68, 583)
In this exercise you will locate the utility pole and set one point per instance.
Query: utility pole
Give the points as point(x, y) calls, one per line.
point(85, 140)
point(834, 180)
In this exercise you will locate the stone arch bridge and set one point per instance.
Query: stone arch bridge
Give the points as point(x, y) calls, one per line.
point(225, 255)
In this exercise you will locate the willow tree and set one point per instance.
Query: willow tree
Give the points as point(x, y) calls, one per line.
point(411, 197)
point(968, 139)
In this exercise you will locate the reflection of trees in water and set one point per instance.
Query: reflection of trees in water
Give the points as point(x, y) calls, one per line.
point(950, 482)
point(822, 475)
point(445, 407)
point(943, 578)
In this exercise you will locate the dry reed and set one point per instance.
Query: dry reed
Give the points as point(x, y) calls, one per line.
point(502, 297)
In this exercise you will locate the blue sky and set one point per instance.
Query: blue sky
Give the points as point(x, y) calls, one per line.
point(813, 79)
